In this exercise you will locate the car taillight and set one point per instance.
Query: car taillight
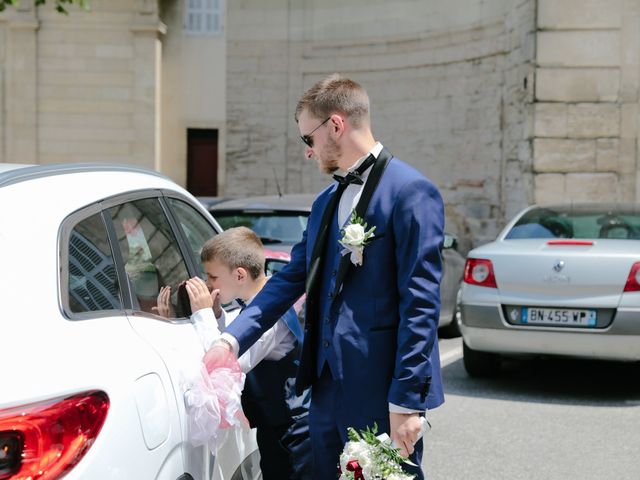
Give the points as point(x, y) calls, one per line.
point(45, 440)
point(479, 271)
point(569, 243)
point(633, 280)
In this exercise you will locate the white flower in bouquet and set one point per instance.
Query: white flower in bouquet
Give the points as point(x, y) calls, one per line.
point(355, 237)
point(369, 457)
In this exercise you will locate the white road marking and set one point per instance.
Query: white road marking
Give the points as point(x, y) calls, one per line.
point(451, 356)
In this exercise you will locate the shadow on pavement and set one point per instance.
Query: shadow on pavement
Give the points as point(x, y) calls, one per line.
point(551, 380)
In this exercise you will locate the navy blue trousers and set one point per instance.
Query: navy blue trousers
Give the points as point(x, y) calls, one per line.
point(328, 429)
point(285, 451)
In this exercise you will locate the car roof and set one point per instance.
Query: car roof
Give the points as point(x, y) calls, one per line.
point(288, 202)
point(11, 173)
point(581, 207)
point(65, 188)
point(6, 167)
point(209, 202)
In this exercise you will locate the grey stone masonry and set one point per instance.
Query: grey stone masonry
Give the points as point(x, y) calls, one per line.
point(587, 84)
point(81, 87)
point(451, 89)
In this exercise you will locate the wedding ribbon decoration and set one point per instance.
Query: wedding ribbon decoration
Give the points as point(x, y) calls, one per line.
point(213, 403)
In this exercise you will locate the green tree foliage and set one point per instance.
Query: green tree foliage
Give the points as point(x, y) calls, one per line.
point(60, 5)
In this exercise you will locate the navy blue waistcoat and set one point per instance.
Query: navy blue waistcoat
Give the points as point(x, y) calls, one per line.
point(325, 351)
point(268, 397)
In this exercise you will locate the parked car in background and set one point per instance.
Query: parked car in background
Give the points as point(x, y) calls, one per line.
point(97, 380)
point(559, 280)
point(281, 220)
point(278, 220)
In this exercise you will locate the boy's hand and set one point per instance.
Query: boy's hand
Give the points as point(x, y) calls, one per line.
point(164, 307)
point(217, 306)
point(199, 295)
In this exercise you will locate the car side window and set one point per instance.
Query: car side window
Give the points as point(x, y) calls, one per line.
point(195, 227)
point(92, 282)
point(151, 256)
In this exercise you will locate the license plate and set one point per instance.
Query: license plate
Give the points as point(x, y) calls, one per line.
point(559, 316)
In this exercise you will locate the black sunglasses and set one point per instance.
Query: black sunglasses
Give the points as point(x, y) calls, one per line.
point(308, 139)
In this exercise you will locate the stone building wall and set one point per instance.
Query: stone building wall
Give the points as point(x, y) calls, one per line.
point(193, 91)
point(451, 84)
point(586, 110)
point(120, 83)
point(82, 87)
point(502, 103)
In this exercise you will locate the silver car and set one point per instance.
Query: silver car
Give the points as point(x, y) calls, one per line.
point(561, 280)
point(281, 220)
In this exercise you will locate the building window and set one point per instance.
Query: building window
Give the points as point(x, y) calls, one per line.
point(204, 17)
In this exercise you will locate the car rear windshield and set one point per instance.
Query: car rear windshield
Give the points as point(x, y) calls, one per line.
point(578, 222)
point(272, 228)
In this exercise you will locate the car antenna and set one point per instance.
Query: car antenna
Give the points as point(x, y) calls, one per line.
point(275, 175)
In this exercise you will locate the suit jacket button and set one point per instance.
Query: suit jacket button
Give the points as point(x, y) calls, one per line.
point(328, 320)
point(334, 273)
point(331, 295)
point(325, 344)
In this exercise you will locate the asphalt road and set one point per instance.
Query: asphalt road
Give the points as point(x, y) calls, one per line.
point(541, 419)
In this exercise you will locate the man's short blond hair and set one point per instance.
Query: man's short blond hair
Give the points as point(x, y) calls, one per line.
point(336, 94)
point(236, 247)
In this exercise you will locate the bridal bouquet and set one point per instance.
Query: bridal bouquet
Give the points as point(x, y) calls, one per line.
point(370, 457)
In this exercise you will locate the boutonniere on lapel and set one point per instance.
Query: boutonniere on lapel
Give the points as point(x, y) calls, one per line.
point(355, 237)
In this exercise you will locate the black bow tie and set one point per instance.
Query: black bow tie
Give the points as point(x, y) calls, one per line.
point(355, 177)
point(348, 179)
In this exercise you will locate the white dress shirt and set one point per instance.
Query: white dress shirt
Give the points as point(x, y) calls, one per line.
point(353, 192)
point(274, 344)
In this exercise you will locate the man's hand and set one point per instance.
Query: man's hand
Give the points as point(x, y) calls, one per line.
point(199, 295)
point(164, 307)
point(405, 428)
point(217, 356)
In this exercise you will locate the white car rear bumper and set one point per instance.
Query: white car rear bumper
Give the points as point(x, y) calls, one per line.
point(484, 328)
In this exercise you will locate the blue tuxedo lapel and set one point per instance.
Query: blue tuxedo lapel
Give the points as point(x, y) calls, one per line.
point(324, 211)
point(315, 219)
point(361, 208)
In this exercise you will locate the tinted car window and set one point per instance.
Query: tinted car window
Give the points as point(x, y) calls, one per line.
point(93, 283)
point(272, 228)
point(580, 223)
point(195, 227)
point(151, 255)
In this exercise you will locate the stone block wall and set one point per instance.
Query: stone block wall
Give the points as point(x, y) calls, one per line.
point(587, 81)
point(82, 87)
point(451, 87)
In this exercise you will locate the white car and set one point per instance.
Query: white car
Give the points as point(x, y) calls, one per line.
point(93, 380)
point(560, 280)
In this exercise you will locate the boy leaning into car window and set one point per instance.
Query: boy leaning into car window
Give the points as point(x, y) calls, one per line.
point(234, 265)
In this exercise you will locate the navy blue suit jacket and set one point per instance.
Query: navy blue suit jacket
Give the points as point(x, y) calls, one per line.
point(385, 318)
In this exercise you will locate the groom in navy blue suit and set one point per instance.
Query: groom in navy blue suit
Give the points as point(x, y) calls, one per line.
point(370, 351)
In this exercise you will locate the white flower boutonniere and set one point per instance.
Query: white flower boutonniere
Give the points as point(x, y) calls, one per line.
point(355, 237)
